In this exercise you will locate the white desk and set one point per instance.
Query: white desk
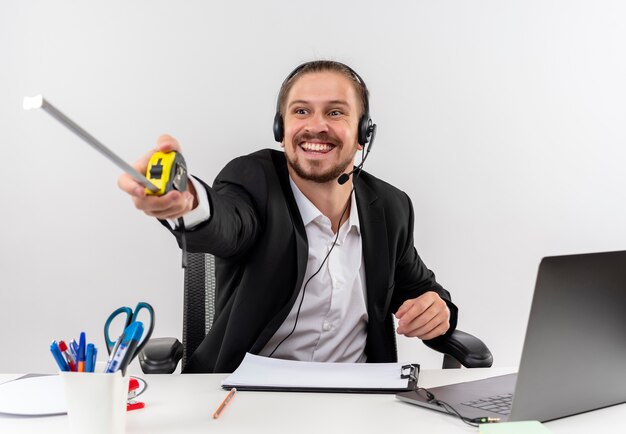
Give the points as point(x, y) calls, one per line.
point(185, 404)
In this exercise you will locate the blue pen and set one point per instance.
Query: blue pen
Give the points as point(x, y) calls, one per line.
point(95, 357)
point(58, 356)
point(89, 360)
point(82, 344)
point(126, 349)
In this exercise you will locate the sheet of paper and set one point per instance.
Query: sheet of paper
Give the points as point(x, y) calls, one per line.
point(33, 396)
point(277, 373)
point(527, 427)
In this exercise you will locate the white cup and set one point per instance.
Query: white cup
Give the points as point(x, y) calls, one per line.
point(96, 402)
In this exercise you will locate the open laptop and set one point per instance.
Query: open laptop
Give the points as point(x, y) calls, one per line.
point(574, 355)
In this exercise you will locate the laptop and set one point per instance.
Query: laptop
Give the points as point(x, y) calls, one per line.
point(574, 354)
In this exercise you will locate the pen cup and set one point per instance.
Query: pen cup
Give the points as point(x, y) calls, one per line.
point(96, 402)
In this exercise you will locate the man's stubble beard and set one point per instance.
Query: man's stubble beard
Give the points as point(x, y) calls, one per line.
point(330, 175)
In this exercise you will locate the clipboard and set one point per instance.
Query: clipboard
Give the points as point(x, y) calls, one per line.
point(257, 373)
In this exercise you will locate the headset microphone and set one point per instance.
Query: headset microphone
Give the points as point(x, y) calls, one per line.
point(343, 178)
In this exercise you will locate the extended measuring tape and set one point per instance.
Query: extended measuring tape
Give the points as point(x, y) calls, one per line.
point(165, 171)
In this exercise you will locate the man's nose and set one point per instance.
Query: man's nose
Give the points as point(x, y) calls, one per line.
point(317, 123)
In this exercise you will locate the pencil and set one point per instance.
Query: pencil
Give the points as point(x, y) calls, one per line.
point(224, 403)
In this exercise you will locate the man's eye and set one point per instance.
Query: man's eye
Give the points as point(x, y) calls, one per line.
point(300, 111)
point(335, 113)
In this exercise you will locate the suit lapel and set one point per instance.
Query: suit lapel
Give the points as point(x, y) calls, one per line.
point(302, 244)
point(375, 253)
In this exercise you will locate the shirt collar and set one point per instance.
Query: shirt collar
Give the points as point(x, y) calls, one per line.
point(309, 212)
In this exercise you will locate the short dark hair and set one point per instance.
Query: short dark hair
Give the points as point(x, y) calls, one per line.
point(322, 66)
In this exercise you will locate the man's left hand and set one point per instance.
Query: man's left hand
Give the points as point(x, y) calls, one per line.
point(425, 317)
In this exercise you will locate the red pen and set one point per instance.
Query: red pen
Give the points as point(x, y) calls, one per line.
point(68, 355)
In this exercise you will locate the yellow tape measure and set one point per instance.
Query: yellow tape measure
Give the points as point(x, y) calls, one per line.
point(167, 171)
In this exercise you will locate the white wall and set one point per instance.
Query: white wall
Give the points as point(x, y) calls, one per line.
point(504, 121)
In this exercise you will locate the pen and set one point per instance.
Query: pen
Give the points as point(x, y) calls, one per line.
point(89, 359)
point(114, 351)
point(125, 351)
point(224, 403)
point(135, 330)
point(71, 361)
point(95, 358)
point(74, 349)
point(81, 352)
point(58, 356)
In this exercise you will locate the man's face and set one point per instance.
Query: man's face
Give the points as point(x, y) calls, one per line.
point(321, 116)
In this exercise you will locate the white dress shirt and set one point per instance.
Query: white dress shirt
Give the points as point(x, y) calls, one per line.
point(332, 323)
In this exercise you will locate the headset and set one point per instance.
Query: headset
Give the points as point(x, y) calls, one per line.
point(366, 127)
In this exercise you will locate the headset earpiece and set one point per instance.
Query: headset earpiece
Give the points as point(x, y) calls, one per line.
point(365, 130)
point(279, 127)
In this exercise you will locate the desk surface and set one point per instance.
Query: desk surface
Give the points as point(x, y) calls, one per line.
point(185, 403)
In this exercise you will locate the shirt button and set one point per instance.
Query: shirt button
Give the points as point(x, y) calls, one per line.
point(326, 326)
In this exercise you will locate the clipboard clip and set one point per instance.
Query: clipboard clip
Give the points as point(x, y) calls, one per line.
point(410, 372)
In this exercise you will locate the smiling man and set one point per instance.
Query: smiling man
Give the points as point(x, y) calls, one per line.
point(307, 268)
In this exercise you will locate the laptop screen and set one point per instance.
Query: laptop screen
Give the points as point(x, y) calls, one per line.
point(574, 356)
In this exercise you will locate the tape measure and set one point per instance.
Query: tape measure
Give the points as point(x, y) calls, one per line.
point(167, 171)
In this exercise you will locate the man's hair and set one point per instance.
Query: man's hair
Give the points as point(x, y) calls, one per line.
point(323, 66)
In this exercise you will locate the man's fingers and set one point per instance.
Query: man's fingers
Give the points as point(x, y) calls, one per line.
point(151, 204)
point(413, 307)
point(418, 319)
point(167, 143)
point(127, 184)
point(437, 326)
point(169, 206)
point(403, 309)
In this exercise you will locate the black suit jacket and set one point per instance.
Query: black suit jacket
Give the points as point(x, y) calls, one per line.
point(258, 238)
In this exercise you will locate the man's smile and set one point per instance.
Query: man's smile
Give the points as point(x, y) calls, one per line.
point(317, 148)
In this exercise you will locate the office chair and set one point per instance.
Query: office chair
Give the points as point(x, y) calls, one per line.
point(161, 355)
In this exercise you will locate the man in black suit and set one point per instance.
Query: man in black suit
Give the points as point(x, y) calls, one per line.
point(307, 268)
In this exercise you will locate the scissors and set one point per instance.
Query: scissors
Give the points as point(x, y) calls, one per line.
point(131, 316)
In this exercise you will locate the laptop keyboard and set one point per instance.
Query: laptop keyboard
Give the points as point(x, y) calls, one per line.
point(500, 404)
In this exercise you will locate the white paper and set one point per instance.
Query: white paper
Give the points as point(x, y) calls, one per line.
point(257, 371)
point(33, 396)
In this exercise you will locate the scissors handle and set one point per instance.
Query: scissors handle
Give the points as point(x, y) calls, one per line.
point(129, 318)
point(149, 326)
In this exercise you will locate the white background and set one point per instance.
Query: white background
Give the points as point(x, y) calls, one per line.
point(503, 120)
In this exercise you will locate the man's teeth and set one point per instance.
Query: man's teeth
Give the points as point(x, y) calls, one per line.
point(317, 147)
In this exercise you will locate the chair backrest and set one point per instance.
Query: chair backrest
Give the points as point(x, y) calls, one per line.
point(199, 301)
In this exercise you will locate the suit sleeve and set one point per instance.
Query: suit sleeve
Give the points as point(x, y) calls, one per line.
point(235, 221)
point(412, 276)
